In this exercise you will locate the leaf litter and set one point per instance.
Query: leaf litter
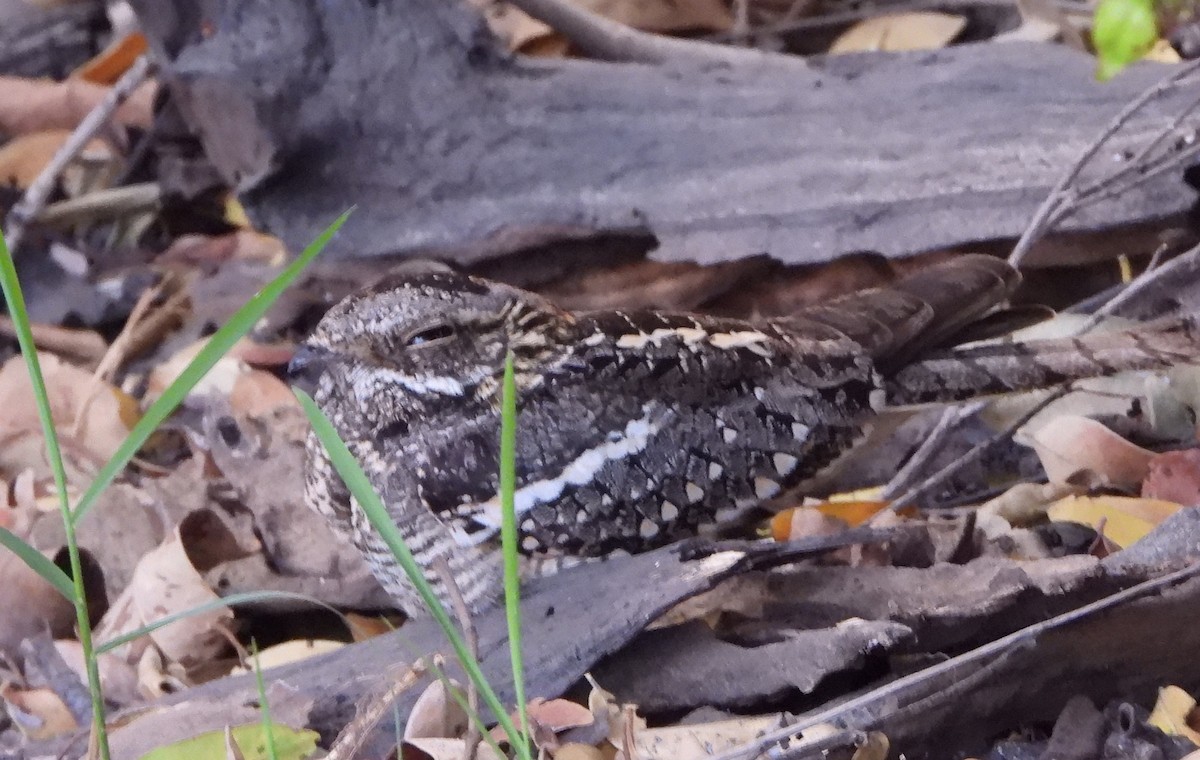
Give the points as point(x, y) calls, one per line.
point(213, 505)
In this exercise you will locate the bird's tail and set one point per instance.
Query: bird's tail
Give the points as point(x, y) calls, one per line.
point(987, 369)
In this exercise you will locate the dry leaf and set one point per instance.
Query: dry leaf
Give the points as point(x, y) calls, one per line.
point(39, 713)
point(1170, 713)
point(118, 678)
point(110, 413)
point(436, 714)
point(258, 393)
point(169, 579)
point(30, 603)
point(219, 380)
point(289, 651)
point(1174, 476)
point(802, 522)
point(1125, 519)
point(435, 748)
point(34, 105)
point(1070, 445)
point(23, 157)
point(918, 30)
point(107, 66)
point(240, 245)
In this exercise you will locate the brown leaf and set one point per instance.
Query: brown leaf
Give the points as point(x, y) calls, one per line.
point(31, 604)
point(1069, 445)
point(39, 713)
point(105, 413)
point(1174, 476)
point(107, 66)
point(34, 105)
point(169, 579)
point(918, 30)
point(436, 714)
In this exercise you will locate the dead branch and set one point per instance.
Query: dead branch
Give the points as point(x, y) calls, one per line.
point(35, 197)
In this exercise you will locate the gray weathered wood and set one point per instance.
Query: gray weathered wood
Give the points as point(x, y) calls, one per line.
point(408, 110)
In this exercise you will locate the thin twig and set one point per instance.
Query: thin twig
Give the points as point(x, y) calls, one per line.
point(895, 692)
point(946, 425)
point(42, 186)
point(1188, 260)
point(113, 358)
point(922, 488)
point(821, 745)
point(350, 741)
point(1052, 209)
point(442, 567)
point(609, 40)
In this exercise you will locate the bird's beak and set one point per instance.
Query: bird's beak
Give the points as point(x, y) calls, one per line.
point(307, 365)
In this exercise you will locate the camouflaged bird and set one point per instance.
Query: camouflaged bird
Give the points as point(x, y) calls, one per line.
point(639, 428)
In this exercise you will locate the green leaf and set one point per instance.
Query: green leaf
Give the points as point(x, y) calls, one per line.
point(50, 572)
point(221, 341)
point(1122, 32)
point(290, 744)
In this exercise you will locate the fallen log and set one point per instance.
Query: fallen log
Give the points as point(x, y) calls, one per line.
point(451, 147)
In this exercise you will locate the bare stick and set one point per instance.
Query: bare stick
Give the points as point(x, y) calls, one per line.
point(609, 40)
point(922, 488)
point(897, 692)
point(946, 425)
point(39, 190)
point(115, 355)
point(1183, 265)
point(350, 741)
point(1052, 209)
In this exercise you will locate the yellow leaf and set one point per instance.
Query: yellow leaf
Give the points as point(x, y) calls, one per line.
point(1126, 519)
point(1171, 712)
point(922, 30)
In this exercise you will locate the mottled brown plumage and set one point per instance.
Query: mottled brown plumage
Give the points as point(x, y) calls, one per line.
point(639, 428)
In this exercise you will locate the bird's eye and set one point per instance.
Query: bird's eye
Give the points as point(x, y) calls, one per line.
point(430, 334)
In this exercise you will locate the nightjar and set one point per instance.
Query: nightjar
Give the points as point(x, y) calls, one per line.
point(639, 428)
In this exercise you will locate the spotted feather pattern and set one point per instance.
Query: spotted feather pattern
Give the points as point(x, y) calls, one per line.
point(638, 428)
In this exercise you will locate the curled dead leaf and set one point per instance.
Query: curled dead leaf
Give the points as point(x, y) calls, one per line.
point(38, 712)
point(1071, 445)
point(104, 413)
point(170, 579)
point(31, 604)
point(436, 714)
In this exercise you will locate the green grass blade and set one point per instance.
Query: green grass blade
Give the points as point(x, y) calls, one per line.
point(473, 715)
point(221, 341)
point(356, 481)
point(200, 609)
point(11, 288)
point(263, 707)
point(50, 572)
point(508, 538)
